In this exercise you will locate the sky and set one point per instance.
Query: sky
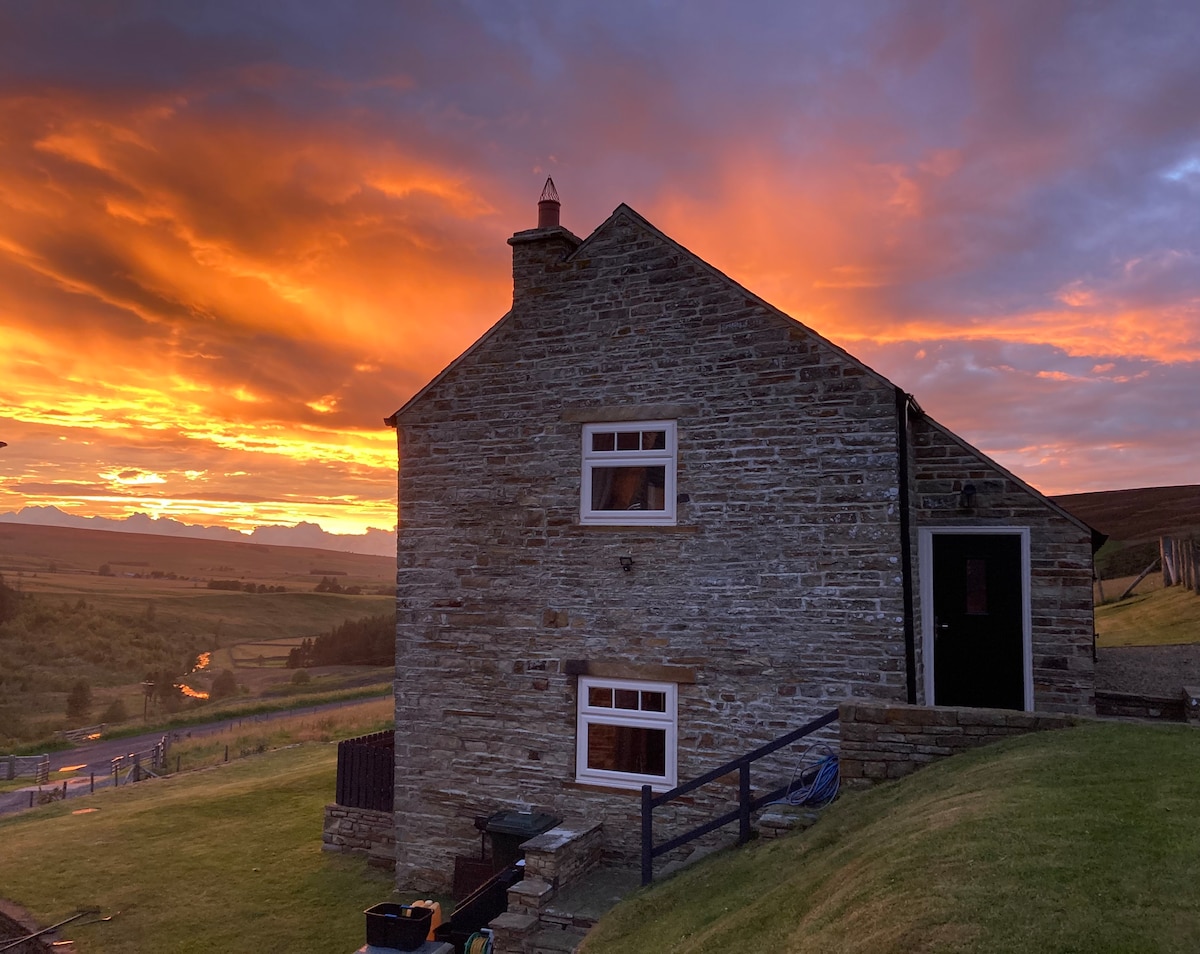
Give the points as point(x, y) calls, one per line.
point(235, 237)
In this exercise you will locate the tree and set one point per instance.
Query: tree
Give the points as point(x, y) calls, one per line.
point(9, 598)
point(79, 701)
point(116, 712)
point(224, 685)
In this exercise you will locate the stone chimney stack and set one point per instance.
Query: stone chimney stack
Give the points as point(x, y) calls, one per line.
point(538, 254)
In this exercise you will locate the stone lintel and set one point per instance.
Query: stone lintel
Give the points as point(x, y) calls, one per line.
point(625, 669)
point(627, 412)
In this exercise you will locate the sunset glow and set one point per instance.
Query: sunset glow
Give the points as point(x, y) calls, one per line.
point(230, 246)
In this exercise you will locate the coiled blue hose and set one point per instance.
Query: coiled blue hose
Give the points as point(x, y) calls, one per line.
point(824, 786)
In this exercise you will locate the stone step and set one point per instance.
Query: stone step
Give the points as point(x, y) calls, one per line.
point(555, 941)
point(582, 903)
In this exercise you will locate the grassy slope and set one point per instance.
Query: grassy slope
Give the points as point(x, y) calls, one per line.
point(1161, 617)
point(1079, 840)
point(223, 860)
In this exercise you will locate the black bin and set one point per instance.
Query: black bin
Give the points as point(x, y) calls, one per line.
point(400, 926)
point(509, 829)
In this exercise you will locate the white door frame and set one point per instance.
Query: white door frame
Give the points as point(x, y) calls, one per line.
point(925, 537)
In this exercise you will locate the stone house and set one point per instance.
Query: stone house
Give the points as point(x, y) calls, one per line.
point(648, 522)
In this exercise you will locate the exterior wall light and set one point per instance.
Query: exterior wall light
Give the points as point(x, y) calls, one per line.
point(966, 499)
point(626, 563)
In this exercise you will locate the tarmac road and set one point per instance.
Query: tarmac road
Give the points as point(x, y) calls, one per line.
point(96, 758)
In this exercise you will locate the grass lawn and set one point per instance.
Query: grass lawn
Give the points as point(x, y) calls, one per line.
point(1162, 617)
point(227, 859)
point(1076, 840)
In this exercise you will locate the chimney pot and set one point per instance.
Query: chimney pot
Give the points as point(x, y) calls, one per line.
point(549, 206)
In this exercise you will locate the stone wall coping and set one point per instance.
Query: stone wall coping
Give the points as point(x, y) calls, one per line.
point(900, 713)
point(560, 836)
point(533, 888)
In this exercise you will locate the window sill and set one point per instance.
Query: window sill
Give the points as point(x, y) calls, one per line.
point(600, 789)
point(626, 527)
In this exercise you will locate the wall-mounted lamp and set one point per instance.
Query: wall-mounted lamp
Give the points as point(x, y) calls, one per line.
point(626, 563)
point(966, 499)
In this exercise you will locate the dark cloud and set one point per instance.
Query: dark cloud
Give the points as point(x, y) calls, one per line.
point(233, 238)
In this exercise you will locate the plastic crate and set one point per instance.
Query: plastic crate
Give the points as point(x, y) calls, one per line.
point(399, 926)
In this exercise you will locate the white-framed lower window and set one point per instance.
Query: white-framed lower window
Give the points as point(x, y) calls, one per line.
point(628, 473)
point(627, 733)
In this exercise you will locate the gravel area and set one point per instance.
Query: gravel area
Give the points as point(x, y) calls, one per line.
point(1148, 670)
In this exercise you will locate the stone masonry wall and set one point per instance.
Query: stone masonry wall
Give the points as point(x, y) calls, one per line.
point(777, 595)
point(888, 742)
point(360, 830)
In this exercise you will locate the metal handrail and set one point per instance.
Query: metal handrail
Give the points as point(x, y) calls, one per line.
point(747, 805)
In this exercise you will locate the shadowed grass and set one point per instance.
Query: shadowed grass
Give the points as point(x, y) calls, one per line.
point(1078, 840)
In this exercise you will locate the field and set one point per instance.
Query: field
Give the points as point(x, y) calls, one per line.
point(110, 608)
point(227, 859)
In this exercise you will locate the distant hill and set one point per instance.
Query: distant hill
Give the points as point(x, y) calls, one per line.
point(1138, 516)
point(61, 552)
point(303, 534)
point(1133, 520)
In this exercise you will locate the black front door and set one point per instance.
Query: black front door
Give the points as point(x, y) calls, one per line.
point(977, 624)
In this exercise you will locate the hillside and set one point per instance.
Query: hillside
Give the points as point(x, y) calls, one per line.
point(1133, 520)
point(1075, 840)
point(109, 609)
point(1135, 516)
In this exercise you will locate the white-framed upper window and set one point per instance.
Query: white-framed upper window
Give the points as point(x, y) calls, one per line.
point(627, 733)
point(628, 473)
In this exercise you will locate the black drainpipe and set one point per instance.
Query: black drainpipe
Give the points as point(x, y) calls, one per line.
point(910, 633)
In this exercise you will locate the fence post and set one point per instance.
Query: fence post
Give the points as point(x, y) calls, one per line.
point(1166, 553)
point(647, 835)
point(744, 803)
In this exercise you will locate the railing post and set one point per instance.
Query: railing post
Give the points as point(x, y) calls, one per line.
point(743, 803)
point(647, 835)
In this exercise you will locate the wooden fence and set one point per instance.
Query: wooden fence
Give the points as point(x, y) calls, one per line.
point(140, 765)
point(1180, 562)
point(18, 766)
point(83, 734)
point(365, 769)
